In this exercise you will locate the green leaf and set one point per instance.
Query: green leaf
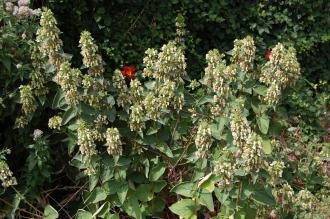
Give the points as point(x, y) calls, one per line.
point(154, 129)
point(207, 183)
point(82, 214)
point(50, 212)
point(157, 171)
point(260, 89)
point(150, 85)
point(93, 180)
point(111, 101)
point(267, 146)
point(122, 192)
point(165, 149)
point(144, 192)
point(158, 185)
point(111, 216)
point(158, 204)
point(97, 195)
point(206, 199)
point(110, 114)
point(69, 115)
point(263, 198)
point(132, 208)
point(263, 123)
point(71, 145)
point(58, 100)
point(185, 208)
point(103, 210)
point(186, 189)
point(113, 186)
point(217, 128)
point(49, 68)
point(205, 99)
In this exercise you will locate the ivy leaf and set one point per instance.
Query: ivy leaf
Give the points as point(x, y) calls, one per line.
point(185, 189)
point(157, 171)
point(50, 212)
point(263, 123)
point(185, 208)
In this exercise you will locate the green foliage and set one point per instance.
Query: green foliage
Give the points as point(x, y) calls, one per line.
point(210, 24)
point(156, 142)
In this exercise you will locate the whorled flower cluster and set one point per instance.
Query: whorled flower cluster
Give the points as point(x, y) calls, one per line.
point(305, 200)
point(219, 103)
point(285, 195)
point(203, 139)
point(225, 168)
point(38, 77)
point(21, 122)
point(149, 62)
point(152, 106)
point(113, 142)
point(38, 83)
point(166, 68)
point(100, 121)
point(215, 62)
point(86, 139)
point(166, 93)
point(6, 175)
point(243, 53)
point(69, 79)
point(180, 30)
point(240, 128)
point(168, 64)
point(118, 82)
point(136, 91)
point(194, 84)
point(275, 169)
point(28, 101)
point(217, 80)
point(137, 117)
point(91, 59)
point(178, 101)
point(48, 38)
point(252, 153)
point(281, 71)
point(22, 8)
point(55, 122)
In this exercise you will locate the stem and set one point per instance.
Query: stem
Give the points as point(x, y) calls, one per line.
point(27, 202)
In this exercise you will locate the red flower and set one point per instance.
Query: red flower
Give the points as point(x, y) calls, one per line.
point(129, 72)
point(268, 53)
